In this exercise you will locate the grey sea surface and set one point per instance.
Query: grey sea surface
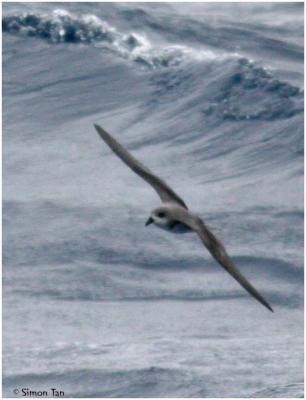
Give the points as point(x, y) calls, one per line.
point(210, 97)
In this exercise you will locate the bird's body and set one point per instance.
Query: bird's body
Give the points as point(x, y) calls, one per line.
point(168, 221)
point(174, 216)
point(174, 227)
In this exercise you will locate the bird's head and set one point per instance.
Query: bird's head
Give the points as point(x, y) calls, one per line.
point(159, 216)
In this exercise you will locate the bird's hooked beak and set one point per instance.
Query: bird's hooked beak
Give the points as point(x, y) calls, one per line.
point(149, 221)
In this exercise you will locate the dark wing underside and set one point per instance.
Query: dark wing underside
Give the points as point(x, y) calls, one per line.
point(218, 251)
point(165, 193)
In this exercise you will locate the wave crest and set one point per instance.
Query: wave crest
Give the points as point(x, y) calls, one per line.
point(63, 27)
point(250, 92)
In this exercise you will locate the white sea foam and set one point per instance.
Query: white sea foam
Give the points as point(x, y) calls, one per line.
point(62, 26)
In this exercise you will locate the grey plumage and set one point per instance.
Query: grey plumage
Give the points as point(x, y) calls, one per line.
point(174, 210)
point(164, 191)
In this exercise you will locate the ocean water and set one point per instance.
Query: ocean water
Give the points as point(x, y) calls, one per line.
point(210, 97)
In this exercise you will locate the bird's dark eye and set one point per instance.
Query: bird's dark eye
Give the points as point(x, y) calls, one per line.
point(161, 215)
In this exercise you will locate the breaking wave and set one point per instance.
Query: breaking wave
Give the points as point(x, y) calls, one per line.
point(60, 26)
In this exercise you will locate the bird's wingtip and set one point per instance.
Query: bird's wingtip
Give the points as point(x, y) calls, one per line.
point(99, 130)
point(269, 307)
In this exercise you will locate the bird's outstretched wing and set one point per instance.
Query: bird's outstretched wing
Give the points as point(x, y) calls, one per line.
point(218, 251)
point(163, 190)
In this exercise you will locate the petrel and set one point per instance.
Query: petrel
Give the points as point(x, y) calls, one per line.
point(173, 215)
